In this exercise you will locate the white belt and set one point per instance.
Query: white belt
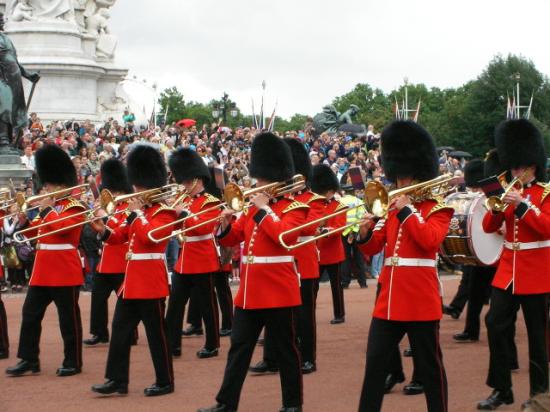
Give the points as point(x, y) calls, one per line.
point(399, 261)
point(526, 245)
point(305, 238)
point(51, 246)
point(249, 260)
point(191, 239)
point(145, 256)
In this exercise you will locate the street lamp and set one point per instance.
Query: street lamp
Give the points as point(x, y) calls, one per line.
point(221, 109)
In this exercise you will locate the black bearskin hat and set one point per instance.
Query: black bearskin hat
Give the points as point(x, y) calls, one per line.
point(492, 166)
point(323, 179)
point(519, 144)
point(146, 167)
point(186, 164)
point(54, 166)
point(210, 186)
point(270, 158)
point(474, 172)
point(300, 157)
point(114, 176)
point(408, 150)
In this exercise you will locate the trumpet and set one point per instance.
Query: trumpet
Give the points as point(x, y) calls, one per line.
point(376, 201)
point(235, 199)
point(496, 203)
point(107, 202)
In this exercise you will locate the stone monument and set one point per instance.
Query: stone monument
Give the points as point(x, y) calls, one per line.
point(70, 44)
point(331, 121)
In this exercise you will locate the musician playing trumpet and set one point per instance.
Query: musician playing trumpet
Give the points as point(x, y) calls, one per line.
point(409, 298)
point(57, 273)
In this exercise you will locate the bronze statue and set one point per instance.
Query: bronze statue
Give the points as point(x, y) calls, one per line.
point(330, 119)
point(13, 110)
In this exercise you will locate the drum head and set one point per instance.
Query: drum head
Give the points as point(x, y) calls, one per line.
point(487, 246)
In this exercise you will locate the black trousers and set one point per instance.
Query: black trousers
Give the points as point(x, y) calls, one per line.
point(128, 314)
point(353, 254)
point(225, 301)
point(480, 278)
point(16, 276)
point(247, 325)
point(424, 339)
point(4, 339)
point(395, 364)
point(103, 286)
point(461, 297)
point(501, 314)
point(37, 301)
point(182, 287)
point(336, 288)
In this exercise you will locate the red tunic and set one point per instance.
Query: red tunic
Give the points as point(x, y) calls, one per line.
point(2, 214)
point(267, 285)
point(200, 256)
point(410, 293)
point(145, 279)
point(526, 270)
point(307, 256)
point(61, 267)
point(331, 249)
point(113, 257)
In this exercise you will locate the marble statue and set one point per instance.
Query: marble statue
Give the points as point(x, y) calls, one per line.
point(13, 110)
point(42, 9)
point(22, 11)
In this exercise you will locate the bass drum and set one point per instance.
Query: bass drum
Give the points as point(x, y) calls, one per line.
point(467, 243)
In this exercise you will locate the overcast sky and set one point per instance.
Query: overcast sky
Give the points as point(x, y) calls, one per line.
point(311, 51)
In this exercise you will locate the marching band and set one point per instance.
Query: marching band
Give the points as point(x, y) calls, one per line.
point(290, 229)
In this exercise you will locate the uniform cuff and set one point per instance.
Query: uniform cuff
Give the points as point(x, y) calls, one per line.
point(183, 214)
point(131, 217)
point(105, 235)
point(366, 238)
point(404, 213)
point(259, 216)
point(221, 234)
point(44, 212)
point(521, 210)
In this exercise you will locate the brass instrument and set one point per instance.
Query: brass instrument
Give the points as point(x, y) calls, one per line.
point(496, 203)
point(107, 202)
point(376, 201)
point(235, 199)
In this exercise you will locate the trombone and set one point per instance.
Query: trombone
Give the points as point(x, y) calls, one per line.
point(107, 202)
point(234, 198)
point(376, 200)
point(496, 203)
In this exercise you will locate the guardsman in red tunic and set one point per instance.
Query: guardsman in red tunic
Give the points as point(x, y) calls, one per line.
point(142, 294)
point(269, 292)
point(523, 274)
point(198, 261)
point(307, 259)
point(409, 298)
point(111, 268)
point(57, 272)
point(331, 249)
point(4, 340)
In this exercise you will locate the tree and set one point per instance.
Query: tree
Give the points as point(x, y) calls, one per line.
point(172, 100)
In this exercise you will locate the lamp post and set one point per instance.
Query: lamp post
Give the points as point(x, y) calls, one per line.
point(221, 109)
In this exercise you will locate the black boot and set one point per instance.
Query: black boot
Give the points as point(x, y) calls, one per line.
point(219, 407)
point(337, 321)
point(111, 387)
point(291, 409)
point(465, 337)
point(496, 399)
point(264, 367)
point(451, 311)
point(393, 379)
point(192, 330)
point(95, 340)
point(156, 390)
point(207, 353)
point(308, 367)
point(407, 352)
point(24, 367)
point(67, 371)
point(413, 388)
point(4, 354)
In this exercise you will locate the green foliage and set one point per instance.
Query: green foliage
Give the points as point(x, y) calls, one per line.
point(463, 117)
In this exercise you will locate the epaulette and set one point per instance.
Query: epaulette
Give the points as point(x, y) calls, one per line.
point(163, 208)
point(295, 205)
point(340, 206)
point(315, 197)
point(210, 199)
point(546, 191)
point(73, 203)
point(439, 206)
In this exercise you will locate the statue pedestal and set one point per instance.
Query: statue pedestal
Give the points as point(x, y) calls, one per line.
point(73, 80)
point(11, 170)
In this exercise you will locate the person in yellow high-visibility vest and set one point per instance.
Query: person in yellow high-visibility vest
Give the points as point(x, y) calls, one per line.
point(349, 239)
